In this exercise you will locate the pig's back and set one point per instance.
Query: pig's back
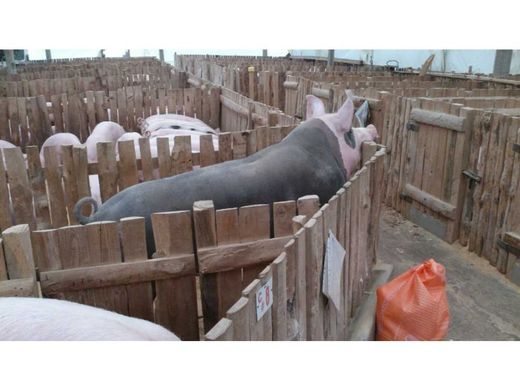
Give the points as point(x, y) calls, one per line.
point(34, 319)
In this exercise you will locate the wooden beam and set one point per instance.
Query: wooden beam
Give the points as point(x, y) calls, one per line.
point(445, 121)
point(430, 201)
point(229, 257)
point(290, 84)
point(321, 93)
point(116, 274)
point(230, 104)
point(18, 287)
point(194, 82)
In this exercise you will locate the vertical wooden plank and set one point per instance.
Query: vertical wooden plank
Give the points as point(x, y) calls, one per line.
point(22, 115)
point(214, 121)
point(4, 116)
point(107, 170)
point(225, 151)
point(91, 113)
point(239, 144)
point(67, 125)
point(57, 203)
point(163, 157)
point(283, 213)
point(314, 266)
point(279, 311)
point(162, 101)
point(189, 102)
point(308, 205)
point(100, 106)
point(204, 221)
point(35, 121)
point(21, 194)
point(138, 102)
point(239, 315)
point(222, 331)
point(69, 181)
point(105, 248)
point(80, 160)
point(5, 210)
point(146, 103)
point(181, 158)
point(127, 164)
point(146, 158)
point(18, 252)
point(251, 146)
point(228, 283)
point(256, 327)
point(207, 152)
point(3, 268)
point(112, 103)
point(176, 300)
point(332, 315)
point(267, 319)
point(133, 243)
point(354, 241)
point(254, 222)
point(121, 107)
point(130, 103)
point(12, 111)
point(347, 277)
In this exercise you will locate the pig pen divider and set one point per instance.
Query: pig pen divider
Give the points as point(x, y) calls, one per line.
point(205, 259)
point(452, 169)
point(299, 310)
point(31, 120)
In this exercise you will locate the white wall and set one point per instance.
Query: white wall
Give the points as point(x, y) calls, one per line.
point(482, 61)
point(39, 54)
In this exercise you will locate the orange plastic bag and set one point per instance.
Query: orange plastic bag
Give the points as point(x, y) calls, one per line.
point(414, 306)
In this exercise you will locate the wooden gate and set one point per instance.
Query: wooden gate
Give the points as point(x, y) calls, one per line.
point(433, 186)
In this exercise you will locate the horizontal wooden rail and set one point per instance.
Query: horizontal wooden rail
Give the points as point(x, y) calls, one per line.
point(18, 287)
point(445, 121)
point(116, 274)
point(436, 204)
point(229, 257)
point(230, 104)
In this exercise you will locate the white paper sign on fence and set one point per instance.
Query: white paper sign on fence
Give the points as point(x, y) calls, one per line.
point(264, 299)
point(332, 270)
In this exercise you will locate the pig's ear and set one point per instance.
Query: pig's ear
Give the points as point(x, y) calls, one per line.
point(315, 107)
point(344, 116)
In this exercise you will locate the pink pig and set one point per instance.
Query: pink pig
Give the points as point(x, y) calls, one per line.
point(340, 123)
point(103, 132)
point(42, 319)
point(58, 139)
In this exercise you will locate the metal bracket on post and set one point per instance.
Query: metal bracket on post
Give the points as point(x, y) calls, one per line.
point(472, 176)
point(412, 126)
point(405, 197)
point(508, 247)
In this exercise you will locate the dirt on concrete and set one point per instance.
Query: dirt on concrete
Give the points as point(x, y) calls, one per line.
point(483, 304)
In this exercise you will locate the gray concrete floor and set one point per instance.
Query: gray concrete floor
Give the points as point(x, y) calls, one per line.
point(483, 304)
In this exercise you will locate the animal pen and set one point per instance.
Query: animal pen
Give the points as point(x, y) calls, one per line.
point(447, 159)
